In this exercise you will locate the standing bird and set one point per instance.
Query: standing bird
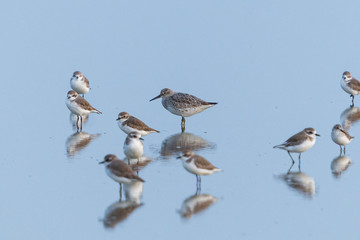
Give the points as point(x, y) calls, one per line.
point(182, 104)
point(133, 146)
point(119, 171)
point(129, 124)
point(79, 106)
point(350, 85)
point(79, 83)
point(340, 136)
point(197, 165)
point(299, 143)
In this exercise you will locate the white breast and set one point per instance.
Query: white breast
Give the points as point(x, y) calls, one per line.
point(340, 138)
point(347, 89)
point(79, 86)
point(134, 149)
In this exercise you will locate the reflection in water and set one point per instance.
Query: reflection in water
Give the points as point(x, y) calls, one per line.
point(78, 141)
point(73, 120)
point(182, 142)
point(121, 210)
point(300, 182)
point(340, 164)
point(137, 164)
point(349, 116)
point(196, 204)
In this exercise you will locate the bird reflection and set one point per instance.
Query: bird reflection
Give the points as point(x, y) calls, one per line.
point(121, 210)
point(339, 165)
point(195, 204)
point(74, 120)
point(138, 164)
point(349, 116)
point(78, 141)
point(300, 182)
point(181, 142)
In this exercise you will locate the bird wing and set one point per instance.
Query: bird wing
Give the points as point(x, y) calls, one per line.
point(179, 99)
point(354, 84)
point(85, 104)
point(346, 134)
point(87, 82)
point(296, 139)
point(119, 168)
point(138, 124)
point(201, 162)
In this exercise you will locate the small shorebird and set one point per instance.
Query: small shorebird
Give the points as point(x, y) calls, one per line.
point(129, 124)
point(133, 147)
point(299, 143)
point(197, 165)
point(350, 85)
point(119, 171)
point(79, 106)
point(340, 136)
point(182, 104)
point(79, 83)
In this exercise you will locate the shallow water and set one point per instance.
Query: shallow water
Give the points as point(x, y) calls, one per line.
point(274, 68)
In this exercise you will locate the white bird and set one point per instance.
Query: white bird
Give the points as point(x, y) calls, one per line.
point(340, 136)
point(79, 83)
point(79, 106)
point(133, 147)
point(299, 142)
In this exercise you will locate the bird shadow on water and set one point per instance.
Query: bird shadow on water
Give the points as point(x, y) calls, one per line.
point(78, 141)
point(181, 142)
point(299, 182)
point(120, 210)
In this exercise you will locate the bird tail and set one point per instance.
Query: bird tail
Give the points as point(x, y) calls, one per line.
point(138, 178)
point(97, 111)
point(279, 146)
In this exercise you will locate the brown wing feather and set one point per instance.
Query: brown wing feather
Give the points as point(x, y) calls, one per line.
point(354, 84)
point(296, 139)
point(87, 82)
point(119, 168)
point(85, 104)
point(201, 162)
point(138, 124)
point(346, 134)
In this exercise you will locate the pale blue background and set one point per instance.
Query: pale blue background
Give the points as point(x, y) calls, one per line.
point(273, 66)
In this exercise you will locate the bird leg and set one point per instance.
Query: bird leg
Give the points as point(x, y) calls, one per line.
point(290, 168)
point(291, 157)
point(352, 103)
point(120, 192)
point(344, 151)
point(81, 121)
point(77, 123)
point(182, 124)
point(299, 161)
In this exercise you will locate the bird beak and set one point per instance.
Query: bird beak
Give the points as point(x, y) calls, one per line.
point(178, 157)
point(317, 135)
point(118, 119)
point(141, 139)
point(102, 162)
point(156, 97)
